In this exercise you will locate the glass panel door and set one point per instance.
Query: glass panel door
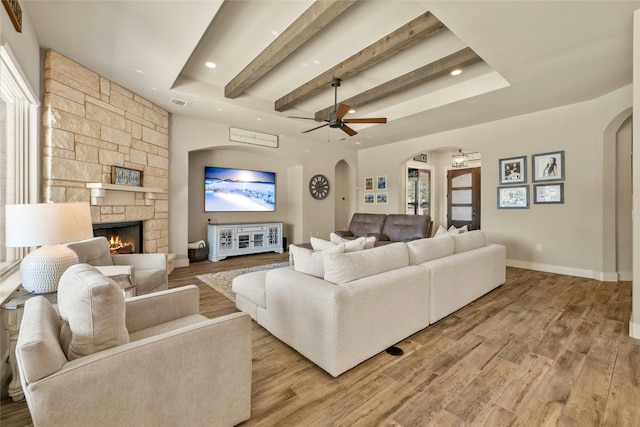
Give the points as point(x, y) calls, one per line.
point(418, 192)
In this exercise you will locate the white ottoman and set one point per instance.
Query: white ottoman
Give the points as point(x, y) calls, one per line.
point(251, 296)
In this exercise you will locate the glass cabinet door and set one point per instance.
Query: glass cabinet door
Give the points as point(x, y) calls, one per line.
point(258, 240)
point(244, 241)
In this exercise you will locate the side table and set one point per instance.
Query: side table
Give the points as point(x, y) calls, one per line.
point(15, 308)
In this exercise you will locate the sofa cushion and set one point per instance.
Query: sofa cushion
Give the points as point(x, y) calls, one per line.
point(403, 227)
point(340, 268)
point(468, 241)
point(363, 224)
point(369, 241)
point(423, 250)
point(92, 310)
point(311, 262)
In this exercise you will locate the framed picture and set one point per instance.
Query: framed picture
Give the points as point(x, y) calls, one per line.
point(368, 184)
point(513, 170)
point(381, 198)
point(382, 183)
point(124, 176)
point(513, 197)
point(548, 166)
point(369, 198)
point(548, 193)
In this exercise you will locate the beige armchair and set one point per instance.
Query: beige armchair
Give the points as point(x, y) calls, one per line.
point(148, 272)
point(101, 360)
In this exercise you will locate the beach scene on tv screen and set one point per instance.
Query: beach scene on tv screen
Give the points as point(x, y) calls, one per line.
point(236, 190)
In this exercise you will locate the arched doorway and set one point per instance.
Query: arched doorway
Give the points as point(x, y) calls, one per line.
point(342, 195)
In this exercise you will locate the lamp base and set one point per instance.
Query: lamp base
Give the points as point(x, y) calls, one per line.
point(40, 270)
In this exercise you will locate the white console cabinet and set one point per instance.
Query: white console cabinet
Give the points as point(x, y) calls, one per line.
point(241, 239)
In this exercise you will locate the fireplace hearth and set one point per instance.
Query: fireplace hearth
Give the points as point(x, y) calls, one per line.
point(123, 237)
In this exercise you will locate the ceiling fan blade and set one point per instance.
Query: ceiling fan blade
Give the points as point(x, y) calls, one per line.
point(321, 126)
point(371, 120)
point(304, 118)
point(342, 110)
point(348, 130)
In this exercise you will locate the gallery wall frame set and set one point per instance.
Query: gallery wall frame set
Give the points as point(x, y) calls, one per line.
point(545, 169)
point(380, 183)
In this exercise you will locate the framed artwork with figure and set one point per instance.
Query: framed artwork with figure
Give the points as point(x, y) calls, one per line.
point(513, 170)
point(548, 166)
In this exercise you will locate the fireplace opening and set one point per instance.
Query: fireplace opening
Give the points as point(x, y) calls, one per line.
point(123, 237)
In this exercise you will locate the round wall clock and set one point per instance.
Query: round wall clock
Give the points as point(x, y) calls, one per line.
point(319, 187)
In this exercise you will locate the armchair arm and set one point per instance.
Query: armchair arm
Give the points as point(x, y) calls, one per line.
point(142, 261)
point(119, 273)
point(160, 307)
point(343, 233)
point(199, 375)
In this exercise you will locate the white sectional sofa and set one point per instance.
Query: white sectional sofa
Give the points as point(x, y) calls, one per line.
point(340, 308)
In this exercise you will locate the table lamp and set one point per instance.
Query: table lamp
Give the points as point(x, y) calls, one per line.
point(46, 225)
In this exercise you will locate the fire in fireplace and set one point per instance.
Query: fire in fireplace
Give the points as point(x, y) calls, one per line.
point(123, 237)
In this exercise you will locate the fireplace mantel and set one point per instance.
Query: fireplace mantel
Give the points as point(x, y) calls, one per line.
point(99, 191)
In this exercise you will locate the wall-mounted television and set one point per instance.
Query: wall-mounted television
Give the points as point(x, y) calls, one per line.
point(238, 190)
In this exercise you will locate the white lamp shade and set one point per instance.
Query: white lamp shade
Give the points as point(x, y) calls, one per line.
point(46, 225)
point(42, 224)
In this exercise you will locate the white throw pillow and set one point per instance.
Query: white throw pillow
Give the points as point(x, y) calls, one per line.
point(347, 267)
point(441, 232)
point(453, 230)
point(320, 244)
point(311, 262)
point(369, 241)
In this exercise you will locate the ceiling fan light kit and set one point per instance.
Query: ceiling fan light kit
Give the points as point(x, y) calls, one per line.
point(336, 120)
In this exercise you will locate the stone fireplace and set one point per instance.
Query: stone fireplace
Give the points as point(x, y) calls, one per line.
point(91, 124)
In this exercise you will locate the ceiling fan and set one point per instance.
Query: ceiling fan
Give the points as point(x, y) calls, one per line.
point(339, 111)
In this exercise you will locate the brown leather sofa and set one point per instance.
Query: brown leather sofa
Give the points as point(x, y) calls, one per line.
point(388, 228)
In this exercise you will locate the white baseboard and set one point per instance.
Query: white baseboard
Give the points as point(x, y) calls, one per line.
point(557, 269)
point(181, 261)
point(634, 329)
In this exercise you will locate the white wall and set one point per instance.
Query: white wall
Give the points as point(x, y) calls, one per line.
point(301, 159)
point(571, 233)
point(24, 46)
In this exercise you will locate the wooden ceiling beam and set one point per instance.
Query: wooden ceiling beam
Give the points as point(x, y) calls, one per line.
point(414, 31)
point(315, 18)
point(441, 67)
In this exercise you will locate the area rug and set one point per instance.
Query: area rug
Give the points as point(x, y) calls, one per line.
point(221, 281)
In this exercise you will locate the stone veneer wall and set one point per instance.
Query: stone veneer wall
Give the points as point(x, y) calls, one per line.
point(91, 124)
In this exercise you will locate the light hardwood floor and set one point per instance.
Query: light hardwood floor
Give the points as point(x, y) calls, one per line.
point(543, 349)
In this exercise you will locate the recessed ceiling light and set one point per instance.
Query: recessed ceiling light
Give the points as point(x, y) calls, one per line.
point(154, 88)
point(352, 111)
point(258, 119)
point(138, 71)
point(456, 72)
point(210, 64)
point(275, 33)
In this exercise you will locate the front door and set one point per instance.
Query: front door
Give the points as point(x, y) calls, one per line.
point(463, 198)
